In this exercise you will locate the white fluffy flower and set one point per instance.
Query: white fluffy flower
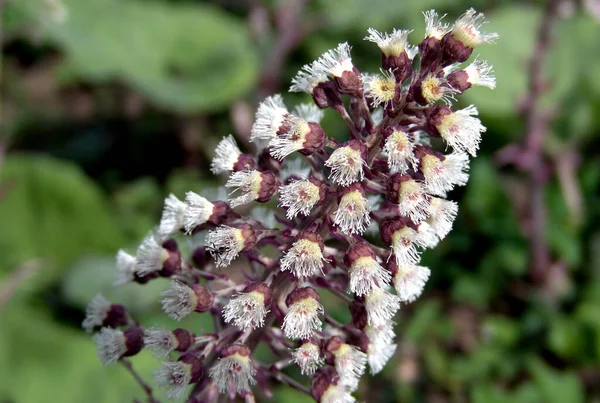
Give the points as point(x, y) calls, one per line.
point(150, 256)
point(346, 165)
point(198, 211)
point(461, 130)
point(442, 175)
point(303, 259)
point(350, 364)
point(172, 216)
point(481, 73)
point(352, 214)
point(95, 312)
point(409, 281)
point(246, 310)
point(390, 44)
point(248, 183)
point(307, 79)
point(269, 117)
point(160, 341)
point(174, 376)
point(110, 345)
point(381, 306)
point(224, 244)
point(365, 274)
point(125, 270)
point(380, 88)
point(235, 370)
point(302, 318)
point(399, 151)
point(226, 155)
point(434, 27)
point(441, 216)
point(335, 61)
point(467, 29)
point(179, 300)
point(308, 358)
point(299, 196)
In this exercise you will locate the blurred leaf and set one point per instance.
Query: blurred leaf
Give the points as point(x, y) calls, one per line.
point(501, 330)
point(183, 57)
point(555, 386)
point(53, 210)
point(565, 338)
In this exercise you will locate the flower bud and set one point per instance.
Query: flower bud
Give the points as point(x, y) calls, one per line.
point(459, 129)
point(305, 257)
point(101, 313)
point(112, 344)
point(234, 369)
point(176, 376)
point(352, 214)
point(253, 186)
point(249, 308)
point(296, 134)
point(162, 341)
point(403, 238)
point(151, 257)
point(430, 48)
point(476, 73)
point(346, 163)
point(409, 280)
point(302, 318)
point(399, 150)
point(349, 361)
point(308, 357)
point(301, 196)
point(409, 194)
point(228, 157)
point(225, 243)
point(337, 64)
point(327, 387)
point(365, 271)
point(181, 300)
point(458, 44)
point(394, 56)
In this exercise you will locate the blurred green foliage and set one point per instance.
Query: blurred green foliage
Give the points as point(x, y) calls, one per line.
point(482, 332)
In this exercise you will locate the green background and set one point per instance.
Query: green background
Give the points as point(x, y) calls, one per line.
point(107, 112)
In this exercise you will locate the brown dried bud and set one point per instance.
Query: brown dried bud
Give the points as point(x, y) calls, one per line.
point(244, 161)
point(330, 347)
point(388, 227)
point(360, 318)
point(172, 264)
point(326, 95)
point(268, 186)
point(459, 80)
point(357, 251)
point(430, 51)
point(197, 368)
point(350, 82)
point(322, 380)
point(314, 140)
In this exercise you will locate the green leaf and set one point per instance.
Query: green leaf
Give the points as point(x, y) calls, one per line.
point(555, 386)
point(183, 57)
point(52, 210)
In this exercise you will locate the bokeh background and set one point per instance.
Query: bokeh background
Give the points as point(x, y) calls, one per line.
point(107, 106)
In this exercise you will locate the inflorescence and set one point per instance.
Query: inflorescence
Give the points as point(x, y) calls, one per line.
point(354, 218)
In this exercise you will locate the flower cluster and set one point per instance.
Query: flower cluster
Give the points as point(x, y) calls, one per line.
point(353, 220)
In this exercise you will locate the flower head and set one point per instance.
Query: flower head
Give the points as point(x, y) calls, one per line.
point(346, 163)
point(348, 360)
point(399, 150)
point(380, 88)
point(327, 387)
point(381, 306)
point(100, 312)
point(459, 129)
point(352, 215)
point(253, 185)
point(434, 27)
point(172, 216)
point(467, 29)
point(301, 196)
point(225, 243)
point(269, 117)
point(305, 257)
point(176, 376)
point(226, 157)
point(441, 216)
point(198, 211)
point(125, 272)
point(248, 309)
point(302, 318)
point(162, 341)
point(112, 344)
point(234, 370)
point(181, 300)
point(409, 280)
point(365, 272)
point(308, 357)
point(410, 196)
point(443, 172)
point(390, 44)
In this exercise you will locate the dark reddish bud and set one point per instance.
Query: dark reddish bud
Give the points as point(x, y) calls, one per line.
point(144, 279)
point(326, 95)
point(249, 236)
point(459, 80)
point(388, 227)
point(400, 64)
point(244, 161)
point(267, 163)
point(314, 140)
point(204, 296)
point(357, 251)
point(185, 339)
point(134, 341)
point(172, 265)
point(453, 50)
point(350, 83)
point(220, 212)
point(261, 288)
point(430, 52)
point(116, 316)
point(200, 257)
point(322, 380)
point(360, 340)
point(268, 186)
point(233, 349)
point(330, 347)
point(197, 368)
point(394, 186)
point(435, 117)
point(300, 294)
point(360, 318)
